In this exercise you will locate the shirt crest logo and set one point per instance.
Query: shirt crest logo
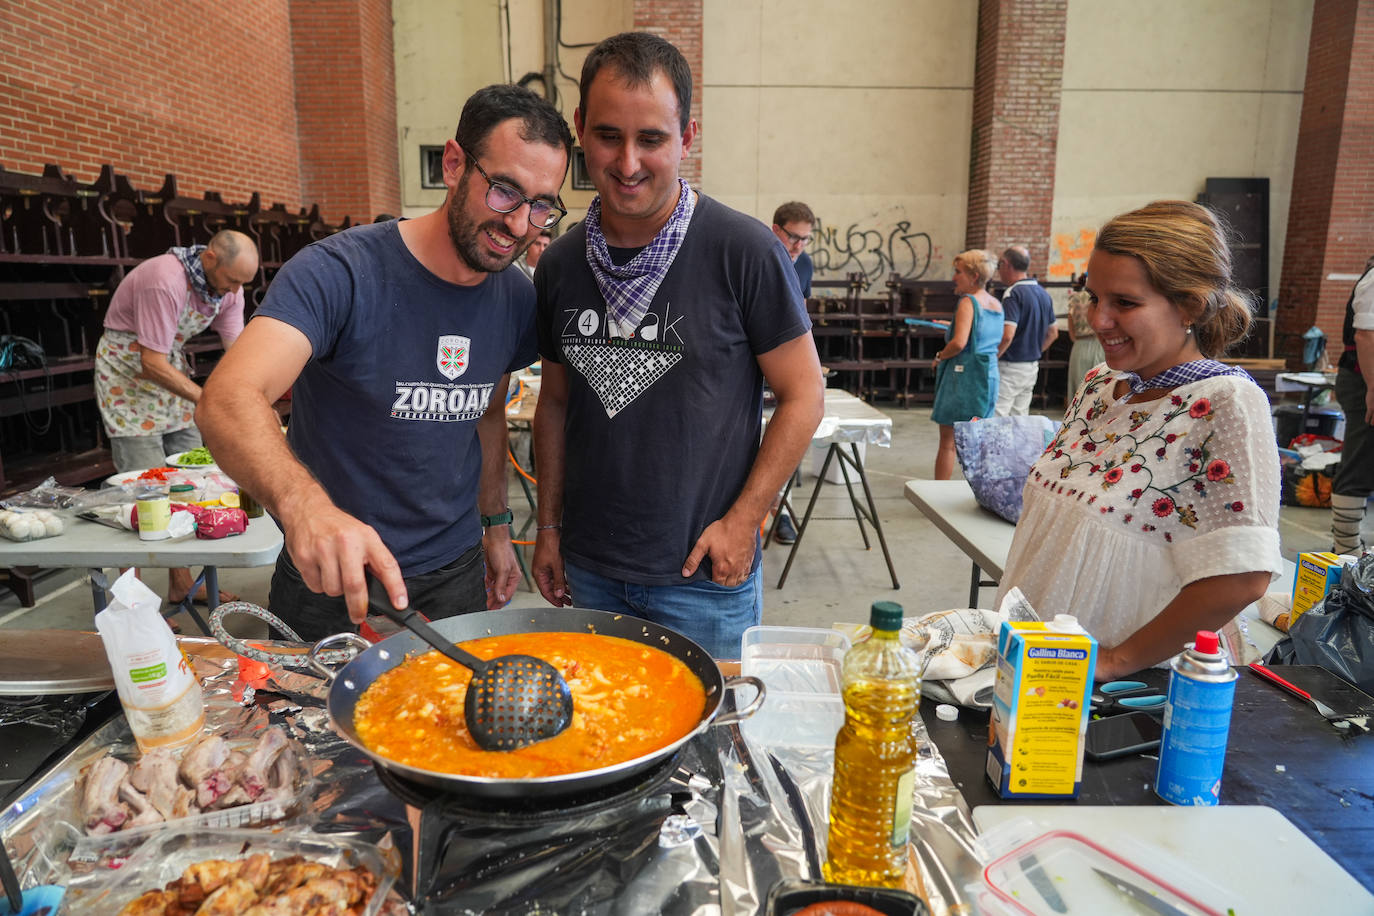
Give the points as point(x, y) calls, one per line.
point(452, 357)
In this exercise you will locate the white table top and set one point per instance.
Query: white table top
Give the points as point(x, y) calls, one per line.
point(848, 419)
point(986, 540)
point(91, 545)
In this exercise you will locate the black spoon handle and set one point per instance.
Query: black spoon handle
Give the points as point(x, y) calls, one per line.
point(416, 624)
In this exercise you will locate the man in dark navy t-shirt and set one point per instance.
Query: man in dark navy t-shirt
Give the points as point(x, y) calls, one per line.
point(1028, 330)
point(397, 340)
point(660, 317)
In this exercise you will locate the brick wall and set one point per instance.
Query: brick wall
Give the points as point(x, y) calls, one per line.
point(199, 94)
point(346, 107)
point(209, 92)
point(1016, 86)
point(679, 21)
point(1331, 217)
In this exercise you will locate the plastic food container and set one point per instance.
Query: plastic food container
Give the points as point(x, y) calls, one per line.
point(167, 855)
point(1061, 872)
point(801, 667)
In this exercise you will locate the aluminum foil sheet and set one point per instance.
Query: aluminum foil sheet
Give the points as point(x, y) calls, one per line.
point(735, 819)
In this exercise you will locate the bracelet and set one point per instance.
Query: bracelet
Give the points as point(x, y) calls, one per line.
point(547, 527)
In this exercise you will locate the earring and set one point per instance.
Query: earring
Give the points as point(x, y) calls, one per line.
point(1187, 329)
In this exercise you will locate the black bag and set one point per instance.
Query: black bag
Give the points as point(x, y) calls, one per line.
point(1338, 632)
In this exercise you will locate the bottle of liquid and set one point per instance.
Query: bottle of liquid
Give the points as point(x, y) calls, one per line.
point(1197, 719)
point(875, 757)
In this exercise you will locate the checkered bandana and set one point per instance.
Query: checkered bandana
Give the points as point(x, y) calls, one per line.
point(195, 272)
point(629, 288)
point(1183, 373)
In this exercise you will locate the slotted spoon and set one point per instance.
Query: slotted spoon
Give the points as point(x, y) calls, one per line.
point(513, 700)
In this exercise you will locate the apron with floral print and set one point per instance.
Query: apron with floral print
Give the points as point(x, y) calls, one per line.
point(133, 406)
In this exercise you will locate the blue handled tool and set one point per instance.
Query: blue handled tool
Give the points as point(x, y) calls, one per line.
point(1118, 696)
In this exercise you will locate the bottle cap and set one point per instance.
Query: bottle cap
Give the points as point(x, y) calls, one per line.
point(1065, 623)
point(885, 615)
point(946, 713)
point(1208, 643)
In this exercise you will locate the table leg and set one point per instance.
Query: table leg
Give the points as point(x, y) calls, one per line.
point(100, 583)
point(873, 514)
point(973, 585)
point(783, 506)
point(810, 508)
point(848, 485)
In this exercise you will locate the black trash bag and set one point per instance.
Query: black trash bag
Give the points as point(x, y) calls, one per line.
point(1338, 632)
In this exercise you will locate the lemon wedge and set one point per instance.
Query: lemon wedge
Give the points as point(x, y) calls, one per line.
point(229, 499)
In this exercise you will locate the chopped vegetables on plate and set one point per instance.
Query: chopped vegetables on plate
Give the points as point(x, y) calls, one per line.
point(199, 455)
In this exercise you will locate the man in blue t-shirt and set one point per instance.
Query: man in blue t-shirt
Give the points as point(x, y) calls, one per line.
point(397, 340)
point(660, 317)
point(1028, 330)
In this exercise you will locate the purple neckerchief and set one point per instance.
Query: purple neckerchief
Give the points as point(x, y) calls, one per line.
point(629, 288)
point(195, 272)
point(1182, 374)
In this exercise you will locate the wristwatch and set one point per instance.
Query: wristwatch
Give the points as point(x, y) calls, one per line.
point(505, 518)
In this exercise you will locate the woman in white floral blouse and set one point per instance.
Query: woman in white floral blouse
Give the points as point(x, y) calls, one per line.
point(1153, 514)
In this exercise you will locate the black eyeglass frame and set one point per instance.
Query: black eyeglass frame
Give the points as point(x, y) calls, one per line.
point(556, 210)
point(804, 239)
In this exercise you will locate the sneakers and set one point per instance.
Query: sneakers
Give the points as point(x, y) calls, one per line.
point(786, 532)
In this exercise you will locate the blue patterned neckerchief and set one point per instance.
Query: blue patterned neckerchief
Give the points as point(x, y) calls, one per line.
point(195, 272)
point(629, 288)
point(1193, 371)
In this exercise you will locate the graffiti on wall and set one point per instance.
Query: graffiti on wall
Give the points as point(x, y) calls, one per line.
point(872, 251)
point(1069, 254)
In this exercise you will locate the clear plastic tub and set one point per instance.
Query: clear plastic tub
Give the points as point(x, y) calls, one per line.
point(166, 856)
point(1061, 872)
point(801, 667)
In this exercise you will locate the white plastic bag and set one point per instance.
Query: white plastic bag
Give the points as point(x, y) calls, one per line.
point(159, 692)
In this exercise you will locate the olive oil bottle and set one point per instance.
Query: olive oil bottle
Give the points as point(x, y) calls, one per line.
point(875, 757)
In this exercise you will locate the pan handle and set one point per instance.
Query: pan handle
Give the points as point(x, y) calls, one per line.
point(320, 655)
point(739, 715)
point(280, 659)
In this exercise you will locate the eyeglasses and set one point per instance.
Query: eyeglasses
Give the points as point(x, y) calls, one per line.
point(797, 239)
point(503, 198)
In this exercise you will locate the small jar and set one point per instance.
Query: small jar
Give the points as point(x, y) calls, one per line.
point(154, 515)
point(183, 493)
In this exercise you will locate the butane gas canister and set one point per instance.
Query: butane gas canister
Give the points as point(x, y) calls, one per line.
point(1197, 719)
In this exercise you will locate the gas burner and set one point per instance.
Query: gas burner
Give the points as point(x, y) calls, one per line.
point(527, 810)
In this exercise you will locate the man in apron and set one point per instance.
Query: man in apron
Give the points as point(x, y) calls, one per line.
point(147, 400)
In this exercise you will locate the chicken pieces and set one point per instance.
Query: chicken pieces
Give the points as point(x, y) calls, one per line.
point(209, 776)
point(258, 886)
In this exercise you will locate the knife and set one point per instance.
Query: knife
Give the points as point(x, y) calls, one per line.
point(1044, 886)
point(1141, 896)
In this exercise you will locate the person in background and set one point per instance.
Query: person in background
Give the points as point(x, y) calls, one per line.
point(792, 224)
point(966, 377)
point(660, 318)
point(1153, 514)
point(398, 340)
point(1028, 330)
point(530, 259)
point(146, 398)
point(1087, 349)
point(1355, 475)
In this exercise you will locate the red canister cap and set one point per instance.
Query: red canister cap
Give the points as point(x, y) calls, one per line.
point(1208, 643)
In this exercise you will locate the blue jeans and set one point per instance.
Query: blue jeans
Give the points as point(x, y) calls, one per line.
point(711, 615)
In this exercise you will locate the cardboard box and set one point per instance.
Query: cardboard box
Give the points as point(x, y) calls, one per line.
point(1040, 709)
point(1317, 574)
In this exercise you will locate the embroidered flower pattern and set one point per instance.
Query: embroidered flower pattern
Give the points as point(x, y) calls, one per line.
point(1080, 449)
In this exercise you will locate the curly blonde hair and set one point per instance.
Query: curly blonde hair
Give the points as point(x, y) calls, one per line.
point(1185, 252)
point(978, 262)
